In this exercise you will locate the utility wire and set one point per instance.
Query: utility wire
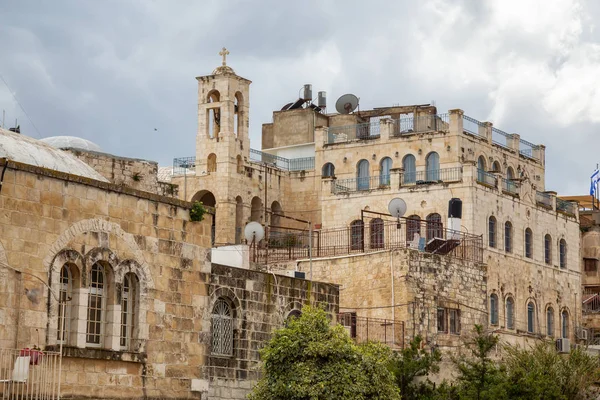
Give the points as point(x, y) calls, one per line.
point(20, 105)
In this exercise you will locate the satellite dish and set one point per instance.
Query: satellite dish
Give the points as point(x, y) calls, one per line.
point(346, 104)
point(397, 207)
point(254, 232)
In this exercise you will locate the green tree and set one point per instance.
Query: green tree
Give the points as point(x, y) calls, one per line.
point(542, 373)
point(480, 377)
point(311, 360)
point(413, 362)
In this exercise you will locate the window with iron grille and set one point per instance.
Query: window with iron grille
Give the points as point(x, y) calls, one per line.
point(550, 321)
point(128, 311)
point(590, 265)
point(492, 231)
point(377, 233)
point(222, 328)
point(65, 292)
point(435, 229)
point(528, 243)
point(494, 309)
point(510, 313)
point(563, 253)
point(508, 237)
point(95, 309)
point(357, 232)
point(548, 249)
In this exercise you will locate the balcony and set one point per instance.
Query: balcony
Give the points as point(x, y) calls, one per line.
point(543, 199)
point(566, 207)
point(510, 187)
point(486, 178)
point(431, 176)
point(288, 164)
point(343, 186)
point(423, 123)
point(352, 133)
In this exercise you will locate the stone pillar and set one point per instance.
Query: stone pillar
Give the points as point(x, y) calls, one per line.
point(320, 136)
point(539, 153)
point(386, 126)
point(456, 121)
point(513, 142)
point(395, 178)
point(486, 131)
point(79, 319)
point(112, 327)
point(327, 186)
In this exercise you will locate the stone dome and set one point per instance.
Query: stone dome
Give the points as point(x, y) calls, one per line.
point(63, 142)
point(223, 70)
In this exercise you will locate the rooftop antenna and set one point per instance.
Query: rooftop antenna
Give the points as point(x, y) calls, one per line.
point(397, 208)
point(346, 103)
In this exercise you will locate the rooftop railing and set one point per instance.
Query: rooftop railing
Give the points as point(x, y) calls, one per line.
point(526, 149)
point(510, 186)
point(184, 165)
point(471, 125)
point(500, 137)
point(340, 186)
point(543, 199)
point(431, 176)
point(350, 133)
point(422, 123)
point(566, 207)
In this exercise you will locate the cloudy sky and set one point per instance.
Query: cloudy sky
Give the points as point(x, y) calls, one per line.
point(114, 71)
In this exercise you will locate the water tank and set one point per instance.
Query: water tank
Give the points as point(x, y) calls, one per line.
point(322, 99)
point(307, 92)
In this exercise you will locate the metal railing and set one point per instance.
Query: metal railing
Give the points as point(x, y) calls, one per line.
point(500, 138)
point(29, 374)
point(431, 176)
point(510, 186)
point(286, 244)
point(526, 149)
point(591, 300)
point(471, 125)
point(184, 165)
point(350, 133)
point(566, 206)
point(288, 164)
point(543, 199)
point(360, 184)
point(301, 164)
point(365, 329)
point(422, 123)
point(486, 178)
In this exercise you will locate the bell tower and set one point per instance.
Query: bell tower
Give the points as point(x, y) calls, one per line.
point(223, 103)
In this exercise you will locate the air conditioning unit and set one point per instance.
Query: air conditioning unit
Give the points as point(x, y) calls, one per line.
point(294, 274)
point(582, 333)
point(563, 345)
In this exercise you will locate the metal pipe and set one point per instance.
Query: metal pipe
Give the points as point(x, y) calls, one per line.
point(310, 248)
point(393, 295)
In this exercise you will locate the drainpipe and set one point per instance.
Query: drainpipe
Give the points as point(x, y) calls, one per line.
point(393, 295)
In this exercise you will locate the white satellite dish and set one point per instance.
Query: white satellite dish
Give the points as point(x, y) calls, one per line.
point(346, 104)
point(397, 207)
point(254, 232)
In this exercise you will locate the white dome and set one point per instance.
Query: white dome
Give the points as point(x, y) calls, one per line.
point(63, 142)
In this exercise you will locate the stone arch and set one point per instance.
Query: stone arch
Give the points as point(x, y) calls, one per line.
point(213, 96)
point(276, 209)
point(229, 295)
point(98, 225)
point(238, 114)
point(206, 197)
point(496, 166)
point(131, 266)
point(256, 209)
point(213, 115)
point(211, 163)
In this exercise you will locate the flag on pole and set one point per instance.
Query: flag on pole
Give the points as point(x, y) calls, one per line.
point(595, 178)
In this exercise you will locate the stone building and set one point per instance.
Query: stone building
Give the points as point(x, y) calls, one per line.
point(321, 173)
point(147, 314)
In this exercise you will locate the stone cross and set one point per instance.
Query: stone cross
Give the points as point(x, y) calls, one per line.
point(224, 53)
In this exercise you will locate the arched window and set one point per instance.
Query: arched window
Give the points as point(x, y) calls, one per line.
point(550, 321)
point(496, 166)
point(362, 175)
point(565, 324)
point(328, 170)
point(276, 212)
point(548, 249)
point(528, 243)
point(510, 313)
point(508, 237)
point(492, 232)
point(384, 171)
point(530, 317)
point(432, 166)
point(256, 209)
point(562, 248)
point(222, 328)
point(410, 169)
point(481, 169)
point(494, 309)
point(238, 113)
point(129, 300)
point(357, 232)
point(413, 227)
point(293, 315)
point(377, 229)
point(212, 162)
point(435, 229)
point(510, 173)
point(213, 115)
point(65, 292)
point(96, 305)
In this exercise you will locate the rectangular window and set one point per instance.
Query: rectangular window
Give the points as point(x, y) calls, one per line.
point(590, 265)
point(441, 320)
point(454, 316)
